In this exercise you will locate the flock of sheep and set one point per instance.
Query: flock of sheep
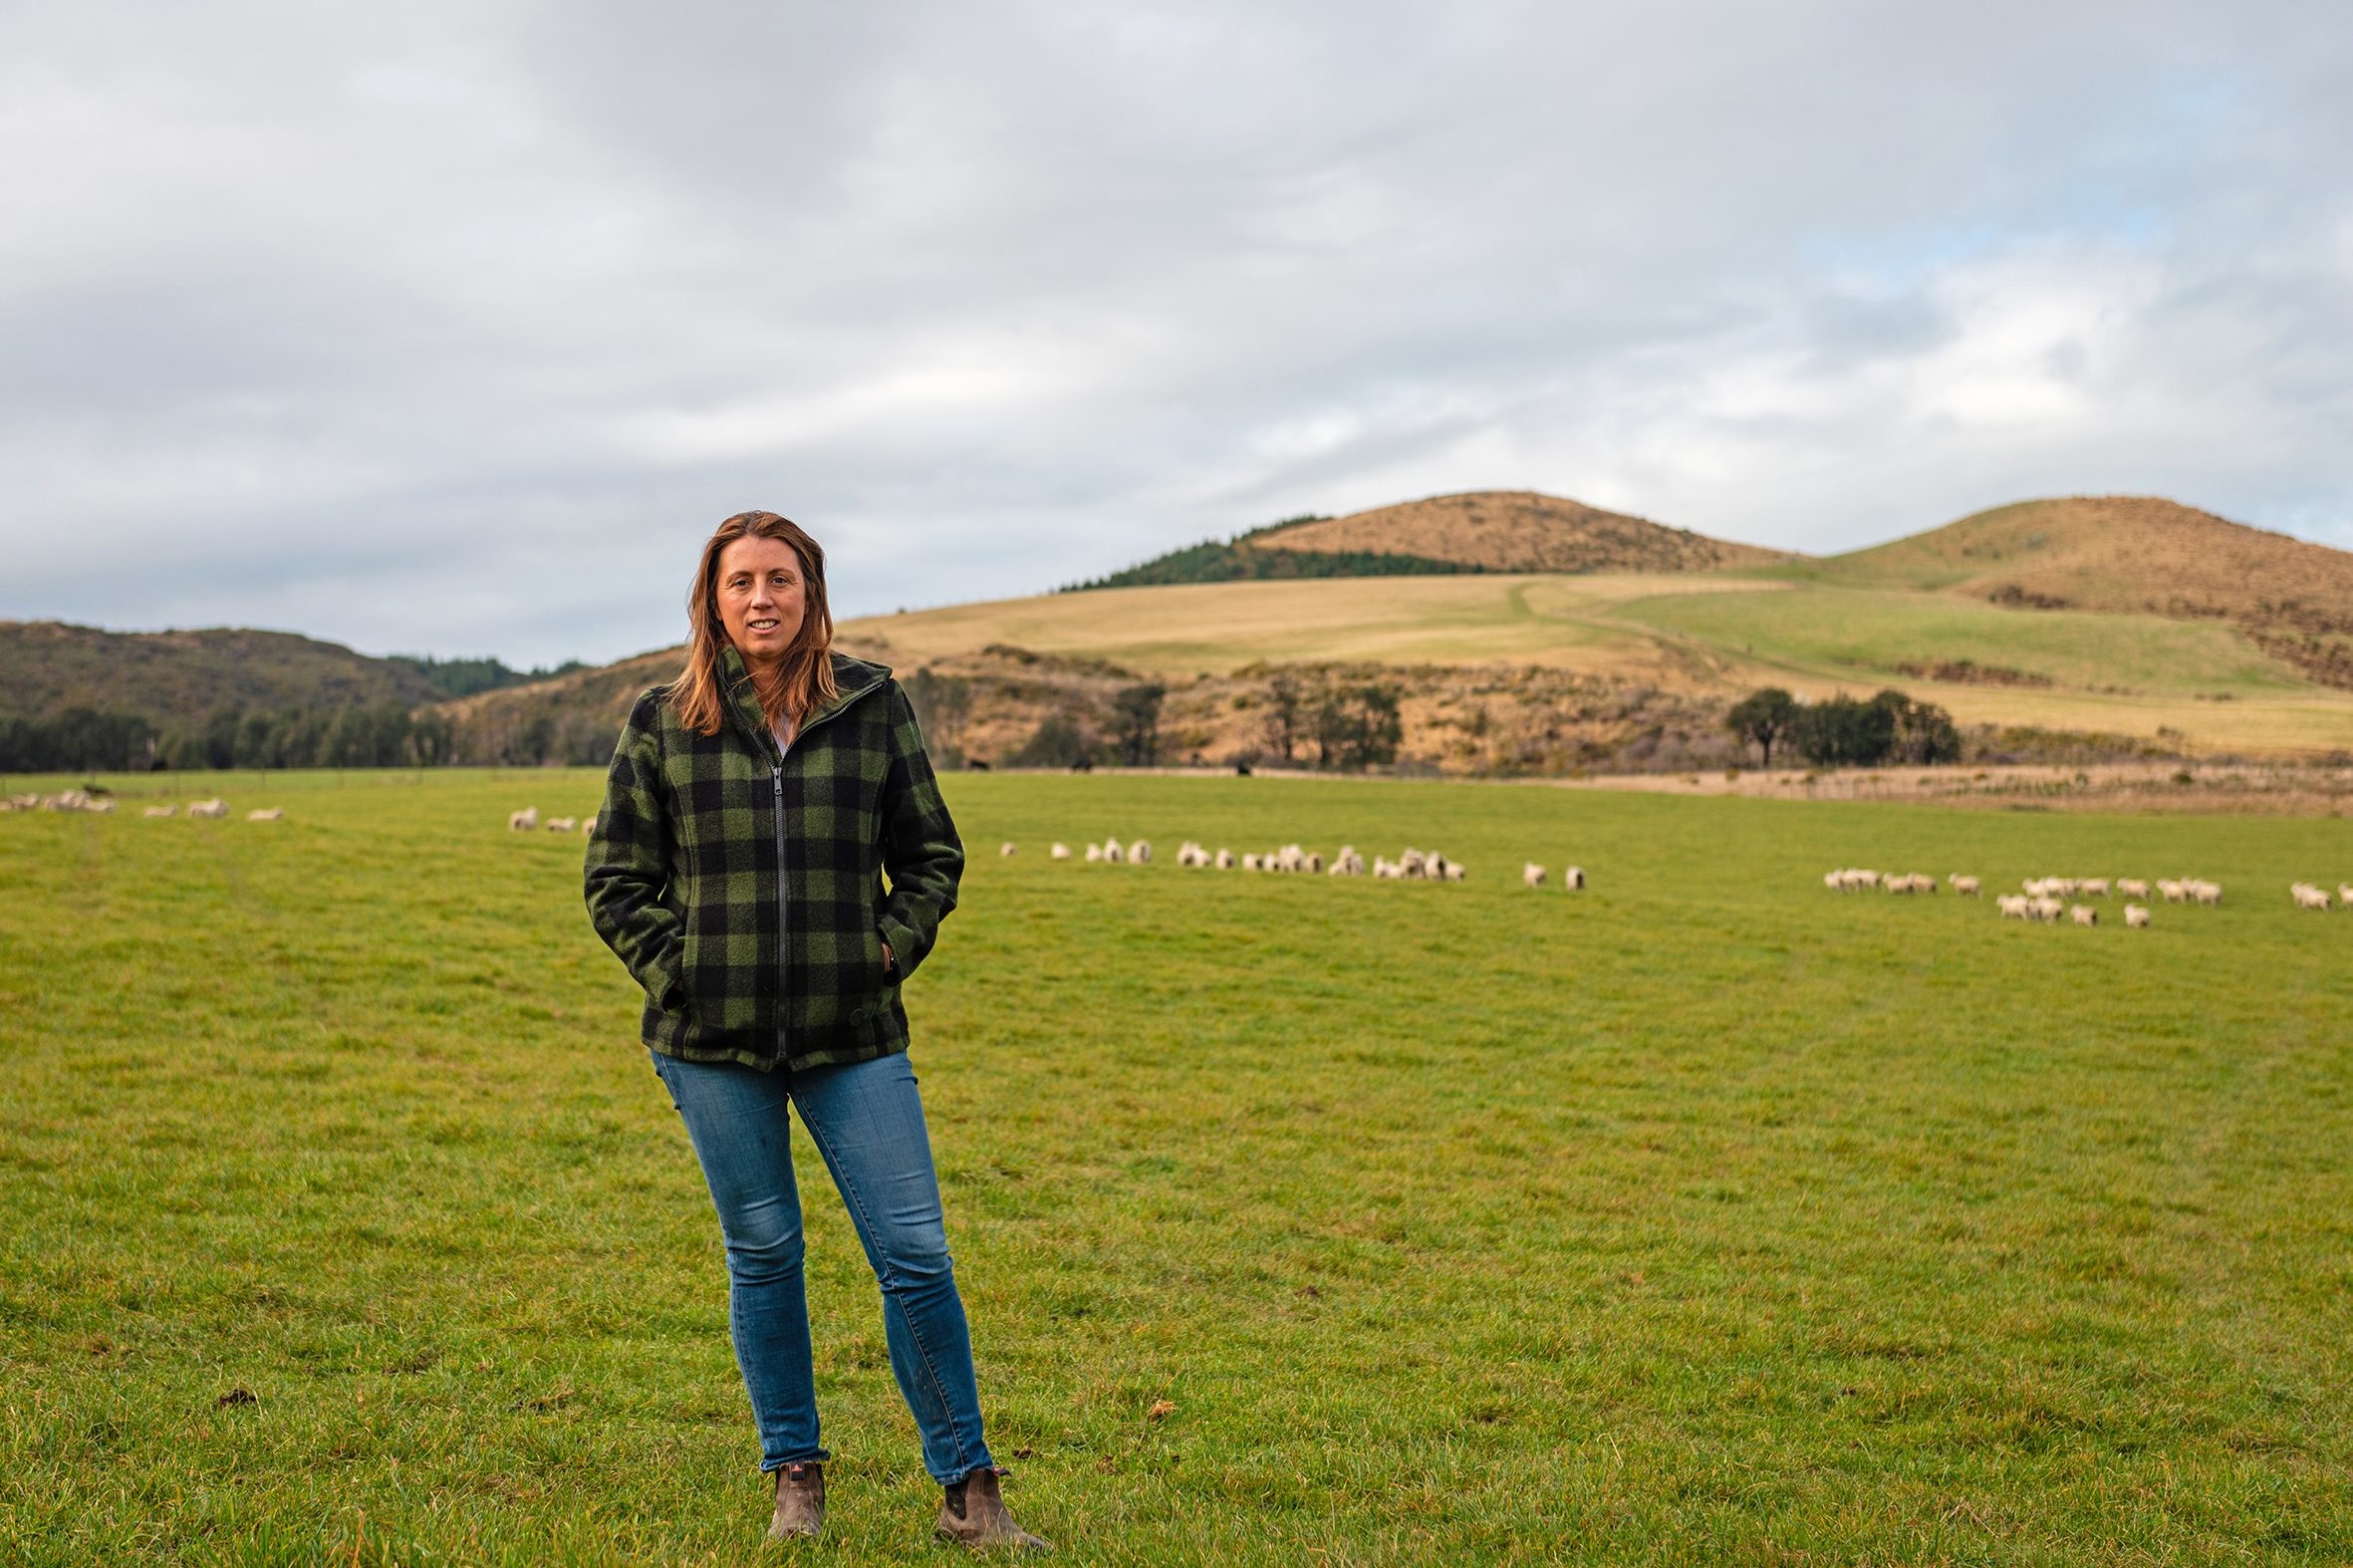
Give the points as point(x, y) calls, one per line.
point(2045, 899)
point(1411, 865)
point(82, 799)
point(528, 818)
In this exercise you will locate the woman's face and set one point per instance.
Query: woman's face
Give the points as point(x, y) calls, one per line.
point(760, 597)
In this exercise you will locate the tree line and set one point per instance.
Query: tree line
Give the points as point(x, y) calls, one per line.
point(353, 735)
point(1844, 731)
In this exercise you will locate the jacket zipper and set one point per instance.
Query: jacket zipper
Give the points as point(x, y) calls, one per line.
point(784, 946)
point(783, 897)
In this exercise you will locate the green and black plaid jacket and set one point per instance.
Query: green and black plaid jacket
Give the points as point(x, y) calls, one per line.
point(745, 890)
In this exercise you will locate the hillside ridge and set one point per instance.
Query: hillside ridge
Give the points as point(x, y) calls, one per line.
point(1520, 531)
point(2131, 554)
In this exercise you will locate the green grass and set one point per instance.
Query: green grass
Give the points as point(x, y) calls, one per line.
point(1706, 1217)
point(1837, 630)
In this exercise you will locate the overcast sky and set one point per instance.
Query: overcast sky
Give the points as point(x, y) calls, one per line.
point(454, 327)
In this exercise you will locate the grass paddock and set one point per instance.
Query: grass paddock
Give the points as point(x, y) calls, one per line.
point(1703, 1217)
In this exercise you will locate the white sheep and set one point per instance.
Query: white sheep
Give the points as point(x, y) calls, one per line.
point(1094, 853)
point(517, 822)
point(2012, 905)
point(588, 824)
point(1573, 879)
point(1313, 866)
point(2345, 894)
point(2136, 917)
point(1964, 886)
point(2093, 887)
point(1533, 874)
point(1060, 851)
point(2130, 888)
point(2047, 910)
point(1007, 850)
point(1249, 860)
point(215, 807)
point(2172, 891)
point(274, 813)
point(1139, 853)
point(1113, 852)
point(2310, 898)
point(161, 811)
point(1456, 871)
point(1225, 859)
point(561, 824)
point(2084, 914)
point(2206, 891)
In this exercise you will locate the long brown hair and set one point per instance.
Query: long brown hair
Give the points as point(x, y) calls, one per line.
point(701, 701)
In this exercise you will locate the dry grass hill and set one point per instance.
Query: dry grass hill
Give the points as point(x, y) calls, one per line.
point(2131, 554)
point(1518, 531)
point(168, 675)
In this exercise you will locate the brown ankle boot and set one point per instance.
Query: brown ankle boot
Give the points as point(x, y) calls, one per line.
point(973, 1514)
point(800, 1501)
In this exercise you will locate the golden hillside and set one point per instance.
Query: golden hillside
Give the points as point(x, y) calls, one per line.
point(1518, 531)
point(2134, 554)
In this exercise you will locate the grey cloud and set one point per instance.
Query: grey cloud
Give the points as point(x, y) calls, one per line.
point(456, 327)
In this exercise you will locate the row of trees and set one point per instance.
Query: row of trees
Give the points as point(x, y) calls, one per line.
point(358, 736)
point(1352, 724)
point(1847, 731)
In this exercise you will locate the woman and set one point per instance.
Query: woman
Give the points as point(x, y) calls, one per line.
point(753, 808)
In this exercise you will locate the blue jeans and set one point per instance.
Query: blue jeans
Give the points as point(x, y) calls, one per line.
point(867, 1125)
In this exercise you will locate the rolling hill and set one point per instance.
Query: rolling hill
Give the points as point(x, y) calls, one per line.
point(1447, 535)
point(1519, 531)
point(2133, 555)
point(170, 676)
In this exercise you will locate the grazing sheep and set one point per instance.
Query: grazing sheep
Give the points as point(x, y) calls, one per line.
point(2047, 910)
point(1226, 861)
point(1348, 863)
point(1094, 853)
point(1007, 850)
point(1060, 851)
point(1250, 859)
point(1313, 866)
point(2206, 891)
point(2084, 914)
point(2136, 917)
point(2308, 896)
point(1533, 874)
point(161, 811)
point(2345, 894)
point(1456, 871)
point(2012, 905)
point(102, 807)
point(1412, 863)
point(561, 824)
point(2172, 891)
point(588, 824)
point(2093, 887)
point(1964, 886)
point(2130, 888)
point(274, 813)
point(1139, 853)
point(215, 807)
point(1113, 852)
point(519, 821)
point(1573, 879)
point(1433, 866)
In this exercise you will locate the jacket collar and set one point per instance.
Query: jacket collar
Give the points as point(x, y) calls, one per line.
point(854, 677)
